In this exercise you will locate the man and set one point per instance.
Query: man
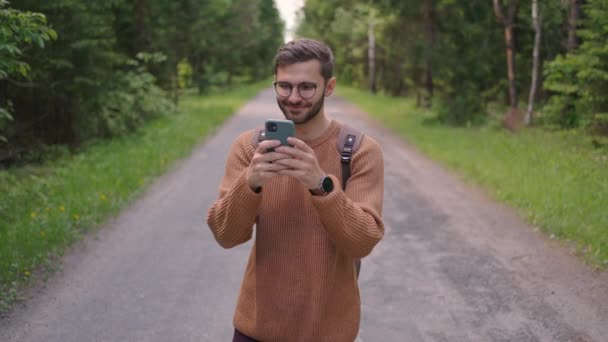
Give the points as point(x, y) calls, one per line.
point(300, 282)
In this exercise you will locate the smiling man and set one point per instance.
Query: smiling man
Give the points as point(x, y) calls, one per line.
point(300, 283)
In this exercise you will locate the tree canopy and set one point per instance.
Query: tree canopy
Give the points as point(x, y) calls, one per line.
point(74, 70)
point(453, 53)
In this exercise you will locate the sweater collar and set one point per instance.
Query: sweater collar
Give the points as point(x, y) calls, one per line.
point(333, 129)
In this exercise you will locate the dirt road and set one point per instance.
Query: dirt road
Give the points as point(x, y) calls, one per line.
point(453, 265)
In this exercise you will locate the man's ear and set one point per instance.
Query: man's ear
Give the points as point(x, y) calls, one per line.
point(331, 86)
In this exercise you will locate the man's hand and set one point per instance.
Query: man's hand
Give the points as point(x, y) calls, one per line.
point(302, 164)
point(264, 165)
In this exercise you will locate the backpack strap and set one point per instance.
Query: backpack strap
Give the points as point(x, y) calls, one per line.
point(349, 141)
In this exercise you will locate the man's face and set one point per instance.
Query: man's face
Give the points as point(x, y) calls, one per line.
point(296, 107)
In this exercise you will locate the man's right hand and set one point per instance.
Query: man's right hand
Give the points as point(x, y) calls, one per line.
point(262, 166)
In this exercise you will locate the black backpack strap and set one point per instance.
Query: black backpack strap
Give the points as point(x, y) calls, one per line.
point(349, 141)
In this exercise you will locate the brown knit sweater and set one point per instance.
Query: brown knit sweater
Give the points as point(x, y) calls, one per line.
point(300, 282)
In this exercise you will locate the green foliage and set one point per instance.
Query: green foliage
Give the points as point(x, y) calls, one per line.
point(580, 78)
point(184, 74)
point(458, 44)
point(114, 63)
point(18, 29)
point(134, 99)
point(461, 109)
point(404, 50)
point(45, 208)
point(343, 25)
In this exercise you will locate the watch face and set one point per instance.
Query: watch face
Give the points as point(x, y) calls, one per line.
point(328, 184)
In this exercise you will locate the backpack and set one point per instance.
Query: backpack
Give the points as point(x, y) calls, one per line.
point(349, 141)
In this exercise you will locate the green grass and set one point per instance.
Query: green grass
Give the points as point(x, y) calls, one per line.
point(45, 208)
point(557, 180)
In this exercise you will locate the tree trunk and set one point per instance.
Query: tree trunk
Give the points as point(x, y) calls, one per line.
point(537, 22)
point(142, 29)
point(371, 56)
point(507, 22)
point(428, 14)
point(575, 11)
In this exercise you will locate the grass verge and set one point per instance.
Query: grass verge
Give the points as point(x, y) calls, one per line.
point(45, 208)
point(557, 180)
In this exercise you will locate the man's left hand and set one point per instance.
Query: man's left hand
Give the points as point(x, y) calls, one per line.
point(303, 165)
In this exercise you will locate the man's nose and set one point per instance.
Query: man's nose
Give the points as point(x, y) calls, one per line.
point(295, 95)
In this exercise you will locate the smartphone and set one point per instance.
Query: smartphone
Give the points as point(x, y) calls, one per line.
point(279, 130)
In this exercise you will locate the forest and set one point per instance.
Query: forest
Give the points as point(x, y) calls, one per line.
point(72, 71)
point(525, 62)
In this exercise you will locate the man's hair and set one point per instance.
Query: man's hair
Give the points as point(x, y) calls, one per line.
point(304, 50)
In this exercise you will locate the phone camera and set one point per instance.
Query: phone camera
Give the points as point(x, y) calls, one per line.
point(271, 127)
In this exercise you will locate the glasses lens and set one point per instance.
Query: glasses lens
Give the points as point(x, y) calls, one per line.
point(283, 88)
point(307, 90)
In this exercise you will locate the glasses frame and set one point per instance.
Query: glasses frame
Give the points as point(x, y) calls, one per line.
point(297, 86)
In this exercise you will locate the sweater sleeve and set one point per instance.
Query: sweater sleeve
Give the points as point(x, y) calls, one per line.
point(232, 216)
point(352, 218)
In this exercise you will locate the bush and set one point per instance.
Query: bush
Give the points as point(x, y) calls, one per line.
point(130, 98)
point(460, 110)
point(579, 79)
point(134, 100)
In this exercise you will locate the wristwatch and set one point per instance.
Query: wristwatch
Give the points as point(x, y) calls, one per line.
point(325, 187)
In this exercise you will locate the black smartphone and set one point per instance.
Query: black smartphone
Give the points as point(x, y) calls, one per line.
point(279, 130)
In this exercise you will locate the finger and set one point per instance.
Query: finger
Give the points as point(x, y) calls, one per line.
point(279, 168)
point(266, 144)
point(292, 152)
point(273, 167)
point(274, 156)
point(292, 164)
point(298, 174)
point(299, 144)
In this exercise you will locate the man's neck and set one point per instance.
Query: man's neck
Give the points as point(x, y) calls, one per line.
point(313, 128)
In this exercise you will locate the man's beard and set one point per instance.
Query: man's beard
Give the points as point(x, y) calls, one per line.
point(305, 117)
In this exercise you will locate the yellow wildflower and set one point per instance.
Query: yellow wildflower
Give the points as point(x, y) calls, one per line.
point(76, 217)
point(33, 214)
point(27, 273)
point(61, 208)
point(102, 197)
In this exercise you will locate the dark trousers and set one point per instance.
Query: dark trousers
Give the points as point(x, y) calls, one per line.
point(240, 337)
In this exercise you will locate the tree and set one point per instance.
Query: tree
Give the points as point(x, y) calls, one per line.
point(537, 22)
point(507, 22)
point(450, 50)
point(573, 19)
point(18, 30)
point(114, 63)
point(428, 13)
point(371, 55)
point(579, 78)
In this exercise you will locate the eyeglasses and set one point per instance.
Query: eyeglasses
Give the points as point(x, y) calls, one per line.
point(306, 90)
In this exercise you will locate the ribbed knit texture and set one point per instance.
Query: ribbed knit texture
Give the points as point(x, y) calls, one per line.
point(300, 282)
